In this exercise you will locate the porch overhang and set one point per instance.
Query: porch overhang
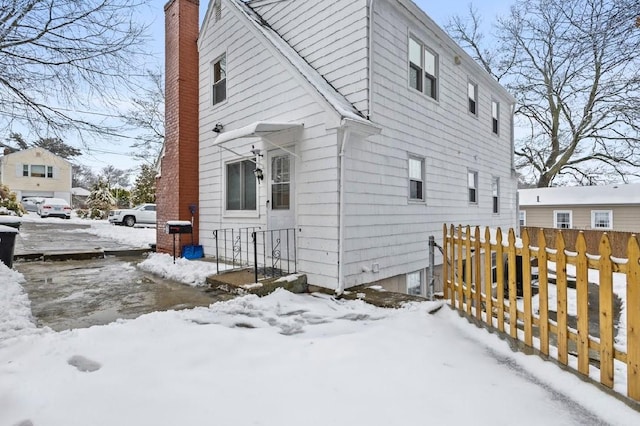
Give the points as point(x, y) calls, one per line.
point(257, 129)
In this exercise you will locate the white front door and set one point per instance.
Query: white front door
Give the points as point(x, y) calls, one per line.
point(281, 207)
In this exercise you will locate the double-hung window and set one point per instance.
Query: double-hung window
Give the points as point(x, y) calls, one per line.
point(423, 68)
point(562, 219)
point(601, 219)
point(472, 94)
point(495, 194)
point(416, 179)
point(37, 170)
point(241, 186)
point(472, 184)
point(219, 80)
point(495, 117)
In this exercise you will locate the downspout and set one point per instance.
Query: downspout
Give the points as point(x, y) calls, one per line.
point(345, 137)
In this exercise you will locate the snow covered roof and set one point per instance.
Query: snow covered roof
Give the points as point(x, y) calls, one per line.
point(617, 194)
point(339, 103)
point(81, 192)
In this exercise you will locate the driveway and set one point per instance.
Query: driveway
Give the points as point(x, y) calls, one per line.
point(82, 293)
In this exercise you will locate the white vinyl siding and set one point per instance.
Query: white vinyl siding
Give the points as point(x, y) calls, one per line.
point(331, 37)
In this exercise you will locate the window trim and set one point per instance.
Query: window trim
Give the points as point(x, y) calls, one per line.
point(593, 219)
point(223, 81)
point(472, 101)
point(495, 119)
point(421, 160)
point(469, 188)
point(495, 197)
point(422, 69)
point(226, 213)
point(555, 218)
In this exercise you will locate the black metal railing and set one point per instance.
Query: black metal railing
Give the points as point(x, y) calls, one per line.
point(234, 246)
point(274, 252)
point(270, 252)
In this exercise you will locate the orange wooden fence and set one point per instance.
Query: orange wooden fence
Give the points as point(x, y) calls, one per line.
point(506, 301)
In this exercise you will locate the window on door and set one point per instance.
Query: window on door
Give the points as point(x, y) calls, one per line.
point(241, 186)
point(280, 182)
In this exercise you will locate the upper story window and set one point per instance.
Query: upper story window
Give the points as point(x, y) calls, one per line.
point(472, 179)
point(241, 186)
point(219, 79)
point(602, 219)
point(495, 117)
point(472, 93)
point(495, 194)
point(416, 179)
point(562, 219)
point(423, 68)
point(37, 170)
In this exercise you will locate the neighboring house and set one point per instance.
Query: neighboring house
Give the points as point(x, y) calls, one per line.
point(370, 127)
point(36, 172)
point(610, 207)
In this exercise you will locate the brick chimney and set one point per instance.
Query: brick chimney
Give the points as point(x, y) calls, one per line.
point(177, 186)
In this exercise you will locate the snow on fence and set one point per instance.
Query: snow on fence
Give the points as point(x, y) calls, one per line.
point(501, 294)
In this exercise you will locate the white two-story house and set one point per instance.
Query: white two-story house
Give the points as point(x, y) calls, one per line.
point(359, 123)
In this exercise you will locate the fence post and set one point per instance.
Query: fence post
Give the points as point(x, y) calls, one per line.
point(606, 313)
point(488, 289)
point(445, 260)
point(561, 286)
point(633, 319)
point(467, 270)
point(254, 236)
point(513, 292)
point(215, 237)
point(460, 280)
point(526, 289)
point(582, 289)
point(478, 280)
point(500, 279)
point(432, 259)
point(543, 295)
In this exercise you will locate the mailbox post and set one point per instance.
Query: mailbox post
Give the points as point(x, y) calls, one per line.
point(176, 227)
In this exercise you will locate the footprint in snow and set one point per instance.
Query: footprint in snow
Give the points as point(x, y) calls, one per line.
point(83, 363)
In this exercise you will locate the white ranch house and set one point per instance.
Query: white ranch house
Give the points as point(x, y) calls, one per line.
point(370, 126)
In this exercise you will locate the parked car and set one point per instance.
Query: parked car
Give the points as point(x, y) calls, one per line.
point(144, 214)
point(54, 207)
point(30, 204)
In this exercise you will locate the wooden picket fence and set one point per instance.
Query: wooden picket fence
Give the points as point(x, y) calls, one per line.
point(469, 286)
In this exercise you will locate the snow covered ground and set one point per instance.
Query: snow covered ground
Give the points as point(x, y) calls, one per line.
point(283, 359)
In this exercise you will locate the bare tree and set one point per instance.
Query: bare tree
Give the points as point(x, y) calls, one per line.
point(147, 115)
point(57, 56)
point(574, 67)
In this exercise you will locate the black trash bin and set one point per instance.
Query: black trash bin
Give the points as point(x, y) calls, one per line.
point(7, 243)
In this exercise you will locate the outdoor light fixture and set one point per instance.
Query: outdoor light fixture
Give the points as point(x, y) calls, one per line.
point(258, 173)
point(218, 127)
